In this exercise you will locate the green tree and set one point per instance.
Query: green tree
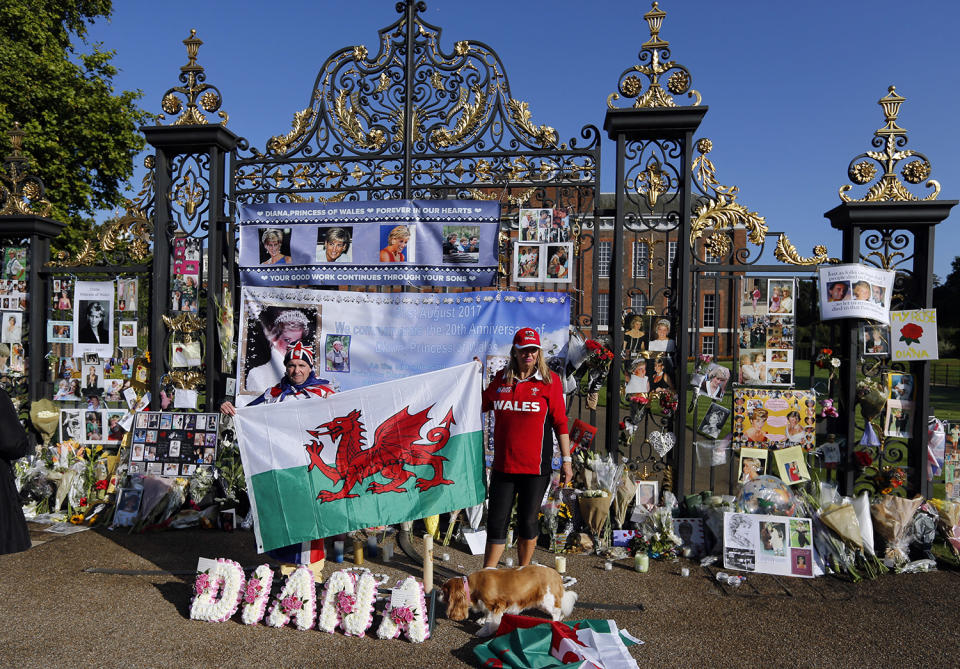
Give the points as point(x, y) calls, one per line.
point(81, 135)
point(946, 296)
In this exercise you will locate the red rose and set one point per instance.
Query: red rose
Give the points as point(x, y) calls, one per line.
point(622, 425)
point(100, 485)
point(592, 345)
point(911, 333)
point(863, 458)
point(83, 501)
point(827, 351)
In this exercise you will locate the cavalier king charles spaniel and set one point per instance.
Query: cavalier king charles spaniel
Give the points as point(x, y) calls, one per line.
point(494, 592)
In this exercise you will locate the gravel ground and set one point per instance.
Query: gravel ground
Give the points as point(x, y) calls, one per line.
point(59, 614)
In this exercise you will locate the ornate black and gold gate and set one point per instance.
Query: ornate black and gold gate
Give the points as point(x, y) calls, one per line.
point(410, 119)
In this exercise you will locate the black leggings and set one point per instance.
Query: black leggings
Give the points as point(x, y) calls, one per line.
point(529, 490)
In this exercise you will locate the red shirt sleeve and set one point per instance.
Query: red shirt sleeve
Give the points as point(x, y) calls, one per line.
point(488, 392)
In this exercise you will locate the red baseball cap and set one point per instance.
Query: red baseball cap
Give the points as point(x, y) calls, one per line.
point(526, 338)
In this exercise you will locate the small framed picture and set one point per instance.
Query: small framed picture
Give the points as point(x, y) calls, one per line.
point(128, 505)
point(899, 386)
point(228, 519)
point(792, 465)
point(713, 421)
point(648, 492)
point(581, 435)
point(559, 260)
point(60, 332)
point(875, 340)
point(753, 463)
point(527, 263)
point(128, 333)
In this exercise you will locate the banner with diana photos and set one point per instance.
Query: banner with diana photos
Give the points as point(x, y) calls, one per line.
point(173, 444)
point(766, 330)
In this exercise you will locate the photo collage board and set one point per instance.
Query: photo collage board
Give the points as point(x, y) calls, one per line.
point(766, 330)
point(173, 443)
point(92, 426)
point(186, 263)
point(648, 353)
point(93, 338)
point(13, 307)
point(543, 252)
point(768, 544)
point(774, 419)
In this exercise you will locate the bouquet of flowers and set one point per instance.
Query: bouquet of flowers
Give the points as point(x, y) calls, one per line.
point(595, 510)
point(556, 518)
point(595, 368)
point(700, 366)
point(667, 399)
point(837, 534)
point(826, 360)
point(891, 518)
point(949, 521)
point(35, 487)
point(871, 397)
point(656, 535)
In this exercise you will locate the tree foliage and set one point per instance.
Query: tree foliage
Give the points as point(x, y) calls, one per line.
point(946, 297)
point(81, 134)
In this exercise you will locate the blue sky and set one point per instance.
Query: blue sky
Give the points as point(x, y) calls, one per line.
point(792, 87)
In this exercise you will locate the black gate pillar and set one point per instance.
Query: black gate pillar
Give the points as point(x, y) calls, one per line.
point(190, 170)
point(24, 216)
point(654, 139)
point(878, 230)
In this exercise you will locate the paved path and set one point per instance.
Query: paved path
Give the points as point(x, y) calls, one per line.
point(57, 614)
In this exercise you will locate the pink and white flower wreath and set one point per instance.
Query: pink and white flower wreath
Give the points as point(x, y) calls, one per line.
point(348, 601)
point(217, 592)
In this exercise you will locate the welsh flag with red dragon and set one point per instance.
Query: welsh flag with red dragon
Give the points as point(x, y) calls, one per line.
point(377, 455)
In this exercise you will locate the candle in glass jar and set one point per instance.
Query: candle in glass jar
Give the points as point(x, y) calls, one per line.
point(608, 565)
point(641, 562)
point(508, 562)
point(561, 563)
point(387, 552)
point(338, 551)
point(357, 551)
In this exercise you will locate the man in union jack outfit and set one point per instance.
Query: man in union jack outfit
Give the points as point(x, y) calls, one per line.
point(299, 383)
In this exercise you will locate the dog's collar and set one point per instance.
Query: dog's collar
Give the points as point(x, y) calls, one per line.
point(466, 587)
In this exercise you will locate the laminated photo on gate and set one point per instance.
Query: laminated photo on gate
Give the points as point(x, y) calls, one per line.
point(766, 418)
point(855, 291)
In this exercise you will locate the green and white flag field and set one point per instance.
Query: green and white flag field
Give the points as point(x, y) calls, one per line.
point(377, 455)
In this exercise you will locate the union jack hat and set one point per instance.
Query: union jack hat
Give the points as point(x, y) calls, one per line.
point(299, 352)
point(526, 338)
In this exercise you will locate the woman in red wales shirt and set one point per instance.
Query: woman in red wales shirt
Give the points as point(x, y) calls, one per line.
point(527, 401)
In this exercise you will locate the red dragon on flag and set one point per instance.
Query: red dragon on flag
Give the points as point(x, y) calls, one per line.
point(396, 442)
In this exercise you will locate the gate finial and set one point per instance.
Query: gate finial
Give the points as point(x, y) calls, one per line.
point(656, 52)
point(20, 192)
point(889, 187)
point(199, 94)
